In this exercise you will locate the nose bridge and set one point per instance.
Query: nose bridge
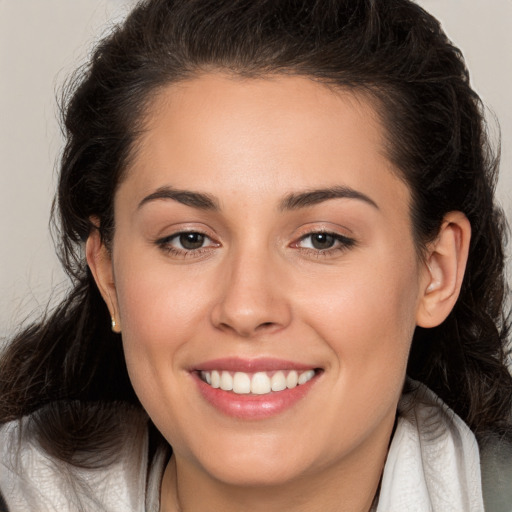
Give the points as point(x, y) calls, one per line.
point(253, 296)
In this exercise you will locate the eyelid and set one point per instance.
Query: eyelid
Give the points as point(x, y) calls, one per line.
point(165, 243)
point(168, 231)
point(177, 234)
point(328, 228)
point(342, 242)
point(337, 236)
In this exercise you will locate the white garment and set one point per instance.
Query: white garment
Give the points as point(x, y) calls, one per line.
point(433, 463)
point(32, 481)
point(432, 466)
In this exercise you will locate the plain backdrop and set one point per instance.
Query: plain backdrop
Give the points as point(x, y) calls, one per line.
point(42, 41)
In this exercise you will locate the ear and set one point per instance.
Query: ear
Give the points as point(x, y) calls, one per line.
point(445, 266)
point(100, 262)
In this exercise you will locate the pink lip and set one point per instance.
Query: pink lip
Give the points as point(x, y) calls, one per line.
point(234, 364)
point(252, 407)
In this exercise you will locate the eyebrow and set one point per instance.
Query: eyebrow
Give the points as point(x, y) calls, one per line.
point(292, 201)
point(186, 197)
point(308, 198)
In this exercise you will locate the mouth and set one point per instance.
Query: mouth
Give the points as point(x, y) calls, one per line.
point(257, 383)
point(254, 389)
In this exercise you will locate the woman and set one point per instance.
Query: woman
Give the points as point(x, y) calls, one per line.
point(279, 221)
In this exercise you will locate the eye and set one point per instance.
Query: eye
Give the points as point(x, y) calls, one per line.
point(319, 241)
point(324, 242)
point(186, 243)
point(190, 241)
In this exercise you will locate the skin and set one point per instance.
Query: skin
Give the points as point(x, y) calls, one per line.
point(258, 288)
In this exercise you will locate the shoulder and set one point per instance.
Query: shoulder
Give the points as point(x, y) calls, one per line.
point(108, 478)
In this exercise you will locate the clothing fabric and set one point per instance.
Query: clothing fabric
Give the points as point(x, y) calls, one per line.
point(433, 465)
point(433, 462)
point(32, 481)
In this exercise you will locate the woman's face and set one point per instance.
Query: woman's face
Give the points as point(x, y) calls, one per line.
point(263, 236)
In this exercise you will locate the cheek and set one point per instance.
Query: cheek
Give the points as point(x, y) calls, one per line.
point(160, 311)
point(367, 319)
point(367, 314)
point(159, 315)
point(157, 301)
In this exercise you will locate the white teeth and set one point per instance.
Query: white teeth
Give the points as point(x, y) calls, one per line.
point(226, 381)
point(241, 383)
point(305, 376)
point(292, 379)
point(258, 383)
point(278, 382)
point(215, 379)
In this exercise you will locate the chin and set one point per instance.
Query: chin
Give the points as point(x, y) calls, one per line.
point(255, 467)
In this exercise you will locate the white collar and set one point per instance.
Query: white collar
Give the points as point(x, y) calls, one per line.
point(433, 464)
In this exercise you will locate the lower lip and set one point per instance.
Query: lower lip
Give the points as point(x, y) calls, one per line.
point(253, 407)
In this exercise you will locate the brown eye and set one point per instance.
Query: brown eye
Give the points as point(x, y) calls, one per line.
point(322, 241)
point(325, 243)
point(191, 241)
point(186, 243)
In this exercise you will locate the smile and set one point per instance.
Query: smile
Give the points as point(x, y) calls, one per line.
point(255, 389)
point(258, 383)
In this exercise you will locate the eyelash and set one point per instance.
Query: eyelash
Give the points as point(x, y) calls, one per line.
point(341, 243)
point(165, 245)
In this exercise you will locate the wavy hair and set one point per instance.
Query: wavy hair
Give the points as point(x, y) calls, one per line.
point(393, 51)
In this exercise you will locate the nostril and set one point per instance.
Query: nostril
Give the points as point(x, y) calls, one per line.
point(265, 326)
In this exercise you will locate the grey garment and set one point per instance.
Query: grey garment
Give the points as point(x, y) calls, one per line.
point(496, 466)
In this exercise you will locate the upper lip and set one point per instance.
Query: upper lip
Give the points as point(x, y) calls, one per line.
point(235, 364)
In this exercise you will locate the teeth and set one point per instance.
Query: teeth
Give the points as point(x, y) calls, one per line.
point(259, 383)
point(304, 377)
point(226, 381)
point(292, 380)
point(215, 379)
point(241, 383)
point(278, 382)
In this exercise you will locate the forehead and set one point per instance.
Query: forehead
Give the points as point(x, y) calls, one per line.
point(267, 136)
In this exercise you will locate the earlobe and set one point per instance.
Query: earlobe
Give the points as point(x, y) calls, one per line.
point(445, 266)
point(100, 262)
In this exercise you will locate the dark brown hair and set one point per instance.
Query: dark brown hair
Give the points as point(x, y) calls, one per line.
point(390, 49)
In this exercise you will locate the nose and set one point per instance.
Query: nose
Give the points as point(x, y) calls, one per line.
point(253, 297)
